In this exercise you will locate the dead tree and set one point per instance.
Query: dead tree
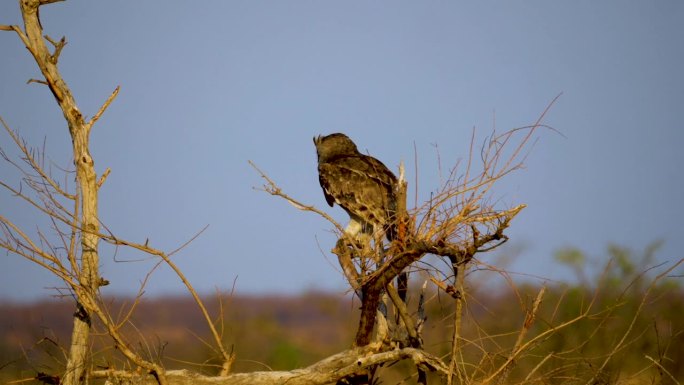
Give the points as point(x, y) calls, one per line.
point(86, 280)
point(73, 215)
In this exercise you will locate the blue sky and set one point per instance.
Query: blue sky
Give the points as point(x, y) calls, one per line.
point(206, 88)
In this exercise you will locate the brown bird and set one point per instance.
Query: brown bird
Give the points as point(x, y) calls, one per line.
point(362, 185)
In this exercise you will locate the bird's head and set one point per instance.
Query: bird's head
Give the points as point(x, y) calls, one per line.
point(333, 146)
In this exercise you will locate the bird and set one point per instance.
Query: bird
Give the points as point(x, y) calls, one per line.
point(362, 185)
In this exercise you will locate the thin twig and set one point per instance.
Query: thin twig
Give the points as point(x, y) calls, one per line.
point(59, 45)
point(228, 357)
point(529, 320)
point(405, 317)
point(273, 189)
point(39, 81)
point(32, 162)
point(661, 367)
point(103, 177)
point(103, 108)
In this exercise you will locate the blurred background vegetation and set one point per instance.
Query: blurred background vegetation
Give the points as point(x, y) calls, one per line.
point(632, 330)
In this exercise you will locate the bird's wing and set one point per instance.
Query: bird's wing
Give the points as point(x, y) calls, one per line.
point(325, 173)
point(362, 185)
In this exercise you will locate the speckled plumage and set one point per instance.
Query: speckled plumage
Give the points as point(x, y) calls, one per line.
point(362, 185)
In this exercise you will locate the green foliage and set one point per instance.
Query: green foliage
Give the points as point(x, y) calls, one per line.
point(571, 256)
point(285, 356)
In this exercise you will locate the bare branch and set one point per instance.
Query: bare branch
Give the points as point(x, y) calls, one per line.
point(273, 189)
point(181, 247)
point(92, 304)
point(410, 326)
point(529, 320)
point(18, 242)
point(102, 109)
point(29, 158)
point(59, 45)
point(661, 367)
point(103, 177)
point(43, 82)
point(228, 357)
point(21, 35)
point(327, 371)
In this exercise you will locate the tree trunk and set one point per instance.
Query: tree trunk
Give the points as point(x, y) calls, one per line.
point(88, 226)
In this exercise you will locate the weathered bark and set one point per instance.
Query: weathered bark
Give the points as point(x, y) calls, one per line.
point(330, 370)
point(79, 130)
